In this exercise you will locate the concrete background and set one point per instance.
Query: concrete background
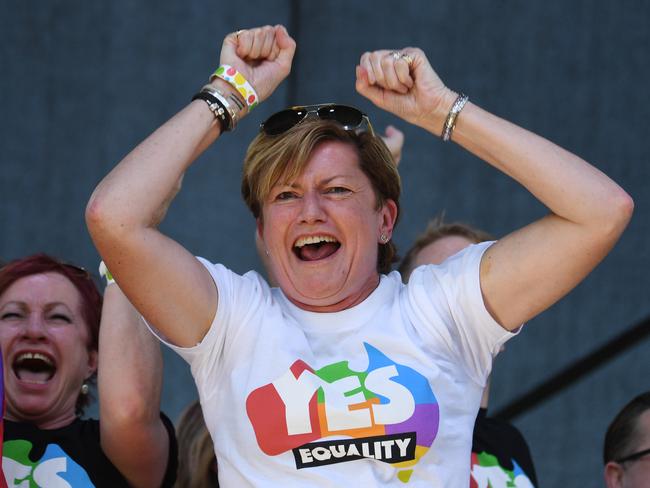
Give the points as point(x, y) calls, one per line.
point(83, 82)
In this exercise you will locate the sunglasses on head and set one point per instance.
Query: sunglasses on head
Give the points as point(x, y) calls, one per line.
point(349, 118)
point(77, 269)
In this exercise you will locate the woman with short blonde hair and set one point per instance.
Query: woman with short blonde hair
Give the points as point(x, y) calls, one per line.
point(343, 373)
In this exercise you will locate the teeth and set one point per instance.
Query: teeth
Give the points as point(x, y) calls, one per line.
point(35, 355)
point(313, 240)
point(35, 382)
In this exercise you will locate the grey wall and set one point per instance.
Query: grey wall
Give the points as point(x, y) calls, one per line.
point(83, 82)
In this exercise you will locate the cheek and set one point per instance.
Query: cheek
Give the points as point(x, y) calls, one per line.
point(74, 342)
point(365, 221)
point(3, 337)
point(276, 223)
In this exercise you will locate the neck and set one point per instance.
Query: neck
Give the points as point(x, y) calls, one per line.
point(348, 302)
point(41, 422)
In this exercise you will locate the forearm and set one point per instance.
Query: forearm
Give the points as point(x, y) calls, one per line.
point(134, 192)
point(130, 372)
point(129, 380)
point(570, 187)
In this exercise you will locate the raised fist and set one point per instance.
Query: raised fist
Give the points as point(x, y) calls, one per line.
point(262, 55)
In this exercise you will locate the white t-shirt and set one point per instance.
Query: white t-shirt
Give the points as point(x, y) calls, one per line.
point(383, 393)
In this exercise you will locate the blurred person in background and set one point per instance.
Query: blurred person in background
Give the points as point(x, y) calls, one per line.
point(626, 451)
point(197, 464)
point(500, 455)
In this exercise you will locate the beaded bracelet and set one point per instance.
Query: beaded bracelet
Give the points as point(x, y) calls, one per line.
point(236, 79)
point(450, 121)
point(230, 101)
point(217, 107)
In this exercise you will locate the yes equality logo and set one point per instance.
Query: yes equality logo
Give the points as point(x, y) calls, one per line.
point(486, 472)
point(53, 468)
point(387, 413)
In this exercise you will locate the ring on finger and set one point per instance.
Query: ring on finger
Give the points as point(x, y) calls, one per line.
point(407, 58)
point(396, 55)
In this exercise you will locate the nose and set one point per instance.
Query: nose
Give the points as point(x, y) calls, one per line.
point(35, 327)
point(312, 209)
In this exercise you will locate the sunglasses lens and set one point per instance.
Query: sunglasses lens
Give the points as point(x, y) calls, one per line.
point(282, 121)
point(348, 117)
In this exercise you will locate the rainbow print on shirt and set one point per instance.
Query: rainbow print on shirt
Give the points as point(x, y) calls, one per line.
point(387, 413)
point(486, 472)
point(54, 468)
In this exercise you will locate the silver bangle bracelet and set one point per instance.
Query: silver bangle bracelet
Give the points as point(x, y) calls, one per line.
point(230, 102)
point(216, 107)
point(450, 121)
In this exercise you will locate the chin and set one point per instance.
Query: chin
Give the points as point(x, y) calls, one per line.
point(313, 300)
point(31, 409)
point(29, 405)
point(316, 291)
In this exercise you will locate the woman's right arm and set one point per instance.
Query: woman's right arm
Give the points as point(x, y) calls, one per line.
point(164, 281)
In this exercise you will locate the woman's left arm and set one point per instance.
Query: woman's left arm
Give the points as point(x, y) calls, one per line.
point(133, 435)
point(533, 267)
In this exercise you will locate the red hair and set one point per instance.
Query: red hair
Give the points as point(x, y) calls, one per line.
point(91, 299)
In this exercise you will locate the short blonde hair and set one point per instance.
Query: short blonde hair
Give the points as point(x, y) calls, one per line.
point(273, 159)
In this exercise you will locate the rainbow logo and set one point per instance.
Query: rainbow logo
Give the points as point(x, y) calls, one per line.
point(387, 413)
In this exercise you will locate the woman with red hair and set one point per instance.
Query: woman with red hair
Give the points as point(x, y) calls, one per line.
point(50, 334)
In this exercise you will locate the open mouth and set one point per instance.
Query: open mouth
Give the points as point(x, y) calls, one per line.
point(314, 248)
point(34, 367)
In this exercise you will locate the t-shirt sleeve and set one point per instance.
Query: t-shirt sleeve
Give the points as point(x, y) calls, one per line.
point(448, 306)
point(240, 297)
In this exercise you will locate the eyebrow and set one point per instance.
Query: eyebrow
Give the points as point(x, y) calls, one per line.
point(321, 182)
point(48, 306)
point(14, 302)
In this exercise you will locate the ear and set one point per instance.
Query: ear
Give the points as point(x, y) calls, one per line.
point(259, 224)
point(93, 359)
point(389, 217)
point(614, 475)
point(259, 241)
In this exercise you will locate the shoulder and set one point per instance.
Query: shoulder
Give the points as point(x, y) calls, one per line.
point(464, 264)
point(227, 281)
